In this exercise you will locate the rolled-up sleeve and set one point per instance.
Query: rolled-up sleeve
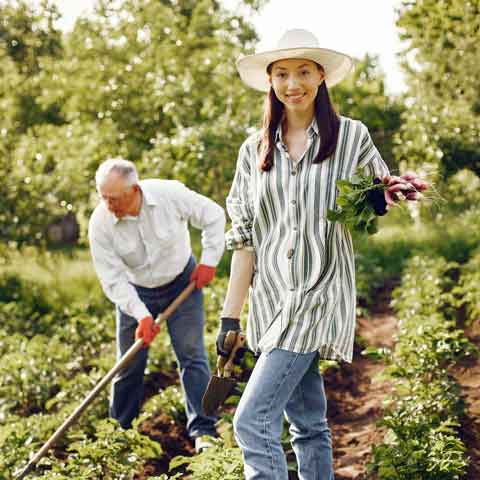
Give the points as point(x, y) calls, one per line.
point(240, 203)
point(369, 159)
point(112, 274)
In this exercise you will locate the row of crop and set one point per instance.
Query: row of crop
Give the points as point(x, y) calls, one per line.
point(55, 345)
point(53, 353)
point(426, 409)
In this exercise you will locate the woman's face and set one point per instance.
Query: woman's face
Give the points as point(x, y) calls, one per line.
point(295, 82)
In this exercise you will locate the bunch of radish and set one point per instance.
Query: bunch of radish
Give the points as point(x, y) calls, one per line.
point(404, 187)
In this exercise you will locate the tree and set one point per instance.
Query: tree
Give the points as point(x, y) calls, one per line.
point(151, 80)
point(441, 126)
point(164, 74)
point(362, 95)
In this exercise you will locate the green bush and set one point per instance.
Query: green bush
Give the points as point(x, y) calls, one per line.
point(24, 306)
point(423, 416)
point(112, 454)
point(220, 462)
point(33, 371)
point(169, 402)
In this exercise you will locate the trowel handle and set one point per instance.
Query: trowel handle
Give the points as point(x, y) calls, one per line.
point(228, 345)
point(239, 343)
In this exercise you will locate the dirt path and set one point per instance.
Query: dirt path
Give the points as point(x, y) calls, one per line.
point(355, 400)
point(355, 403)
point(468, 376)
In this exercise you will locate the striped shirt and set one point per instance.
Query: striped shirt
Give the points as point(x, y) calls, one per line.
point(302, 296)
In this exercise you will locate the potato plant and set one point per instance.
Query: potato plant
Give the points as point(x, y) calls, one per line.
point(424, 414)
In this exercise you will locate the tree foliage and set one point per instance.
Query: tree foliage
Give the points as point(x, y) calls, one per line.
point(153, 81)
point(362, 95)
point(441, 125)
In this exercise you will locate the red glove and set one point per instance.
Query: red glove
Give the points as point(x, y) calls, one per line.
point(203, 275)
point(147, 330)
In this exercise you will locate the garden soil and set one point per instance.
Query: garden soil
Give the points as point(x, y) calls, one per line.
point(355, 403)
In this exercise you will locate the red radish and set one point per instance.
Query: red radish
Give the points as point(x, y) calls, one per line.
point(398, 187)
point(409, 176)
point(420, 185)
point(395, 179)
point(388, 198)
point(414, 196)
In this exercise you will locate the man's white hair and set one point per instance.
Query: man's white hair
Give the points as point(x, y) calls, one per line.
point(124, 168)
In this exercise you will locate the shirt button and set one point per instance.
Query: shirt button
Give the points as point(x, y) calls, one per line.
point(290, 253)
point(294, 172)
point(292, 289)
point(294, 202)
point(295, 229)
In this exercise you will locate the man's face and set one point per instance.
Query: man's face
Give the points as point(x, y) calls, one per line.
point(118, 197)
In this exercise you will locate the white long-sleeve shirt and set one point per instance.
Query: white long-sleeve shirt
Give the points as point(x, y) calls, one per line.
point(153, 248)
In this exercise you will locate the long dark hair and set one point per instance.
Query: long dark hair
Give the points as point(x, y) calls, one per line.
point(327, 118)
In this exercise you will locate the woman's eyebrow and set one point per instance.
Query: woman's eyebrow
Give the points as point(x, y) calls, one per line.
point(284, 68)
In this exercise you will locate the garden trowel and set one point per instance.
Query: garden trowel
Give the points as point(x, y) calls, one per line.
point(221, 385)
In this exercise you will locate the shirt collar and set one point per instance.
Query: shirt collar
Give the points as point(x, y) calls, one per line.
point(311, 130)
point(148, 198)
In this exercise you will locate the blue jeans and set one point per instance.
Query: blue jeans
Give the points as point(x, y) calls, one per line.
point(289, 383)
point(185, 327)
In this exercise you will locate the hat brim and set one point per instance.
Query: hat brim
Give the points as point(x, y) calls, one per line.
point(253, 68)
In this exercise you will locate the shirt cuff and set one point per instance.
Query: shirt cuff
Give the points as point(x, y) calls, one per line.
point(209, 258)
point(140, 311)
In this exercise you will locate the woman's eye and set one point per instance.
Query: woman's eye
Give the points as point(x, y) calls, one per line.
point(281, 75)
point(305, 72)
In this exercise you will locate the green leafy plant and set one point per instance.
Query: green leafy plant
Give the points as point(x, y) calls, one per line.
point(33, 372)
point(424, 412)
point(113, 453)
point(354, 210)
point(169, 401)
point(223, 461)
point(467, 292)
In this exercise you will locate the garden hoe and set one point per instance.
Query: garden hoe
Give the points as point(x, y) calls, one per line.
point(131, 352)
point(220, 386)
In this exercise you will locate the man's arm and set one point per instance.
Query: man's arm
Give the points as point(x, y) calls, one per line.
point(206, 215)
point(111, 272)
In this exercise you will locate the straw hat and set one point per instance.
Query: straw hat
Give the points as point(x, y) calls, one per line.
point(295, 43)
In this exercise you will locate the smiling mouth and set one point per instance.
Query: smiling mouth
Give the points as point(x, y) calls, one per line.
point(296, 98)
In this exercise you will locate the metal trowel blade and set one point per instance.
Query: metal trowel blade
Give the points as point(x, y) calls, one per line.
point(218, 390)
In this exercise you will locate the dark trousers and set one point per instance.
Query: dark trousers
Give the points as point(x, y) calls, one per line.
point(185, 327)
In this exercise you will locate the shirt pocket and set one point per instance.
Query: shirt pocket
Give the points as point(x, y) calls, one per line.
point(132, 253)
point(165, 238)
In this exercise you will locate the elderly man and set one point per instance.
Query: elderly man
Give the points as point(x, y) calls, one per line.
point(141, 251)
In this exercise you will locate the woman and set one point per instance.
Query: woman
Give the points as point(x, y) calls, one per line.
point(299, 265)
